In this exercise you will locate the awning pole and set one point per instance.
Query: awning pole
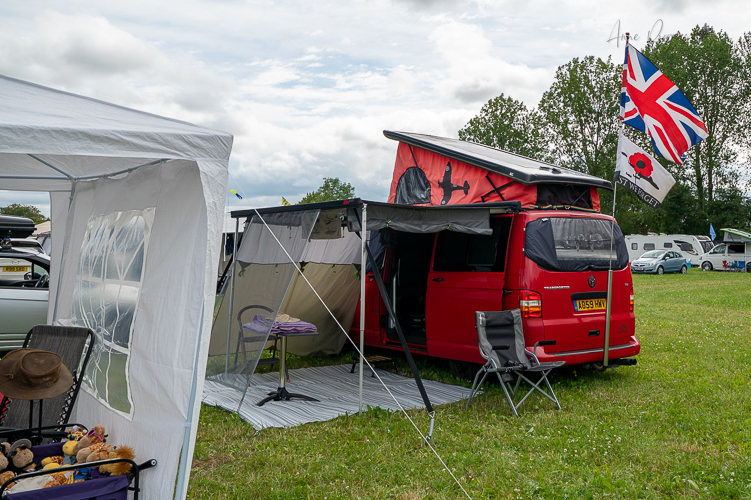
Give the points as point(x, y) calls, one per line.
point(363, 269)
point(231, 292)
point(606, 347)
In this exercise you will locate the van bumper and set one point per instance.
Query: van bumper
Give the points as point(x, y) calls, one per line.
point(593, 355)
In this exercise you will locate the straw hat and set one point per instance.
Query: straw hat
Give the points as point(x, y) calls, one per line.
point(33, 374)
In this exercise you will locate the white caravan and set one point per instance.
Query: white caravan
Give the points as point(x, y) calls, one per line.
point(690, 246)
point(733, 254)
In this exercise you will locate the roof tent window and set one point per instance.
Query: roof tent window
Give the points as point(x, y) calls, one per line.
point(574, 244)
point(460, 252)
point(105, 298)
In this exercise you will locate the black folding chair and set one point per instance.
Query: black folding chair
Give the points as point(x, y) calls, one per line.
point(17, 417)
point(501, 340)
point(245, 336)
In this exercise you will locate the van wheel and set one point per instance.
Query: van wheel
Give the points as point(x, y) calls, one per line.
point(660, 270)
point(706, 266)
point(463, 369)
point(684, 270)
point(599, 367)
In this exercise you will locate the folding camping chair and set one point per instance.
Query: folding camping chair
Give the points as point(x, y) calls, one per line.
point(501, 341)
point(17, 418)
point(248, 336)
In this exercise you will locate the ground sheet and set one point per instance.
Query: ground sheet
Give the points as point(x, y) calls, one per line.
point(335, 387)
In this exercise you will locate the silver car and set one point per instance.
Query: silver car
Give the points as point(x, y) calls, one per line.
point(24, 294)
point(659, 262)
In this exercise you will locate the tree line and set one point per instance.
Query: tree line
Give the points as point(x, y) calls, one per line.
point(576, 125)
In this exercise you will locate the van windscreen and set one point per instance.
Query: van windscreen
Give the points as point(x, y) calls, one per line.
point(574, 244)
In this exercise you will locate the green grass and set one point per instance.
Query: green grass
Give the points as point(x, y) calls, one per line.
point(676, 425)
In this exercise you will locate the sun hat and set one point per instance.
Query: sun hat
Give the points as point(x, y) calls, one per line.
point(33, 374)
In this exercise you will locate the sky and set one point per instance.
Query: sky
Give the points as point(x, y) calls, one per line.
point(307, 88)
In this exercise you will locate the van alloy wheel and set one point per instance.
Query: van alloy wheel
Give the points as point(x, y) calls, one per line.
point(660, 270)
point(706, 266)
point(684, 270)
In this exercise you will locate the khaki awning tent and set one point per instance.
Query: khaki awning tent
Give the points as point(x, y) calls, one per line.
point(137, 202)
point(323, 241)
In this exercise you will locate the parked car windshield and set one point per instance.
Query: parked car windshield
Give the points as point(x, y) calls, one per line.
point(652, 255)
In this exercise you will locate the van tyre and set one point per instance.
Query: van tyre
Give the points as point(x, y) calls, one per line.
point(684, 270)
point(706, 266)
point(660, 270)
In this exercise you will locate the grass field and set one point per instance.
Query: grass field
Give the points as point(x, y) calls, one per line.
point(676, 425)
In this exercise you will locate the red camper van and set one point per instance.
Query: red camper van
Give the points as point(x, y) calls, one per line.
point(550, 258)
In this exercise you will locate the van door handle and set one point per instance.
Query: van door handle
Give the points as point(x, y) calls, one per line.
point(437, 279)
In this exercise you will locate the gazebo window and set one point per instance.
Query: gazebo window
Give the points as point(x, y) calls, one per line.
point(105, 298)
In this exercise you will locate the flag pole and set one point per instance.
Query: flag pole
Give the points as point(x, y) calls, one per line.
point(608, 300)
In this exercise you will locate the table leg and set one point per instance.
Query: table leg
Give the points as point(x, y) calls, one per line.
point(281, 392)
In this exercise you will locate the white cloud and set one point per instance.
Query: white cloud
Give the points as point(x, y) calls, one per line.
point(307, 88)
point(474, 74)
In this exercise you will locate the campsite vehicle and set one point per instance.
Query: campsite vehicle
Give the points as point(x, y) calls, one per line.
point(691, 246)
point(734, 254)
point(437, 282)
point(660, 262)
point(550, 259)
point(24, 284)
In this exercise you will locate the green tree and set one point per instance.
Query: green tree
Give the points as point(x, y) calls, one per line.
point(508, 124)
point(332, 189)
point(29, 211)
point(715, 75)
point(581, 108)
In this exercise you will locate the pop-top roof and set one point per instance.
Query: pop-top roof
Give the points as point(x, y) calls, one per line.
point(736, 235)
point(523, 169)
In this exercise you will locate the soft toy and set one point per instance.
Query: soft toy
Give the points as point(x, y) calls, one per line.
point(22, 456)
point(121, 468)
point(6, 476)
point(94, 436)
point(56, 460)
point(89, 454)
point(4, 449)
point(75, 434)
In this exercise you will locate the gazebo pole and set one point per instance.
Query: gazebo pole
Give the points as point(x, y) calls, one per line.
point(231, 291)
point(363, 273)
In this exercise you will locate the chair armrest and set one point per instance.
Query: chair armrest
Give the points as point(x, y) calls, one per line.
point(541, 342)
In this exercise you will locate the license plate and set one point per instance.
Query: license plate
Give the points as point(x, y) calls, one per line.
point(589, 305)
point(15, 269)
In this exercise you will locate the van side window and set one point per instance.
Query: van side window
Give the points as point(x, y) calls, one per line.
point(668, 245)
point(736, 249)
point(649, 246)
point(634, 246)
point(459, 252)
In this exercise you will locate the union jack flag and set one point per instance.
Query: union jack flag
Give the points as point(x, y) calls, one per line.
point(650, 102)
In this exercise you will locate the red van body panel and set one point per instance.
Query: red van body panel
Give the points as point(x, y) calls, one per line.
point(453, 297)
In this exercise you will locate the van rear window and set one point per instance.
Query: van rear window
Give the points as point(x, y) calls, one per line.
point(574, 244)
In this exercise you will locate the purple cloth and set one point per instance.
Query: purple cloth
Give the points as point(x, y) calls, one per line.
point(106, 488)
point(261, 325)
point(102, 488)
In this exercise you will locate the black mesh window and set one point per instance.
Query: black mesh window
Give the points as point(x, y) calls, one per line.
point(574, 244)
point(459, 252)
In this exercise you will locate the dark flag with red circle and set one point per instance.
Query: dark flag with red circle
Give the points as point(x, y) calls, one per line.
point(639, 172)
